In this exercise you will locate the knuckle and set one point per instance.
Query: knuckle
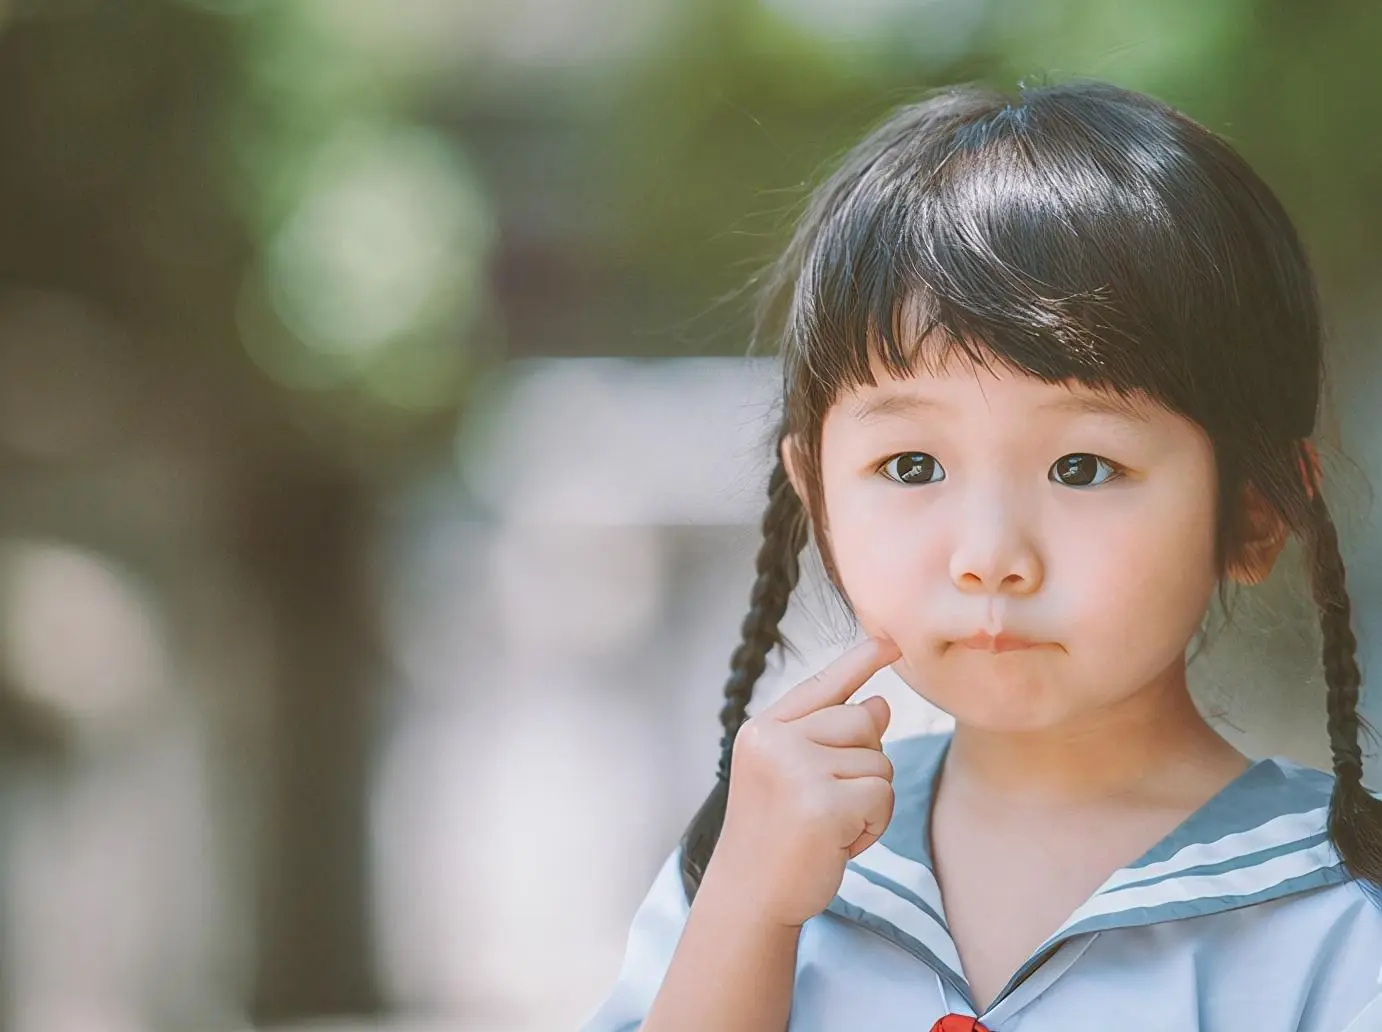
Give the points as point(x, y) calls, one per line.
point(863, 724)
point(764, 749)
point(751, 742)
point(753, 734)
point(854, 725)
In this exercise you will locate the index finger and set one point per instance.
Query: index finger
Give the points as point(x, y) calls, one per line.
point(836, 682)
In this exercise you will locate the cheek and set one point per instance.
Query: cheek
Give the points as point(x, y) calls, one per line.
point(888, 561)
point(1144, 576)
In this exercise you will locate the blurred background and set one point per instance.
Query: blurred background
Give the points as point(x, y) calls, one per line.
point(379, 463)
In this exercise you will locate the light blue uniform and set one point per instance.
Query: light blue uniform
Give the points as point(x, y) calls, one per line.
point(1240, 920)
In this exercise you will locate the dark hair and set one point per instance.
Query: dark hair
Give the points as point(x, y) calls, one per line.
point(1078, 231)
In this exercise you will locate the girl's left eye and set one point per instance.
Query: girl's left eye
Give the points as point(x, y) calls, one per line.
point(913, 468)
point(1083, 470)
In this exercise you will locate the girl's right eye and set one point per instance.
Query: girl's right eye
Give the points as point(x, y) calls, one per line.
point(913, 468)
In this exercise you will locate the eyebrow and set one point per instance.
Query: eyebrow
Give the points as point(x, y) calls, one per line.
point(1075, 404)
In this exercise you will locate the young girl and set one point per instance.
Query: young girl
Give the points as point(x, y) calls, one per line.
point(1051, 371)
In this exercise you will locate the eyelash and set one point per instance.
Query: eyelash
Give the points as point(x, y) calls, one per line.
point(1115, 471)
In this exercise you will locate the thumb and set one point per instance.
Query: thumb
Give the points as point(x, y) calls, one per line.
point(879, 710)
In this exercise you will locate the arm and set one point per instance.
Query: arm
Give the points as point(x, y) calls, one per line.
point(811, 788)
point(717, 968)
point(731, 971)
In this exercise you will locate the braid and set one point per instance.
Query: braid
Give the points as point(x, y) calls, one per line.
point(1355, 815)
point(784, 536)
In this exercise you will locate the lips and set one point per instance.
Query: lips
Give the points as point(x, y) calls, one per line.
point(1003, 642)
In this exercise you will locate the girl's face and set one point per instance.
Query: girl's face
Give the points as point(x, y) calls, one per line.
point(1036, 551)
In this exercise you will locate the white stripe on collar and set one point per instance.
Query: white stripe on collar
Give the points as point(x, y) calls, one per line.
point(1228, 885)
point(1279, 831)
point(902, 914)
point(912, 875)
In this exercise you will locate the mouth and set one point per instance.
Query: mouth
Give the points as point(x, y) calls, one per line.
point(1003, 642)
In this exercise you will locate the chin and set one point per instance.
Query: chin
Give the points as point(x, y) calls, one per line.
point(1007, 721)
point(1003, 701)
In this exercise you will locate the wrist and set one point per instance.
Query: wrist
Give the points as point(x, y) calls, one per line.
point(731, 890)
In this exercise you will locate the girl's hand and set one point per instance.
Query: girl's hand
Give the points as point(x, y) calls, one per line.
point(809, 789)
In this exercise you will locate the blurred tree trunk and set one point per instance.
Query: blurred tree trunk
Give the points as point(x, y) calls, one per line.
point(114, 190)
point(306, 533)
point(28, 732)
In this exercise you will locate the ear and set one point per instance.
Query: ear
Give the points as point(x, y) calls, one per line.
point(1262, 536)
point(788, 453)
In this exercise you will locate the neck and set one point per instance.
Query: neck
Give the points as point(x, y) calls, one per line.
point(1154, 743)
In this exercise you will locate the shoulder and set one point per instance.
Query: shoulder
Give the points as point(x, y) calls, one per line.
point(652, 939)
point(1342, 919)
point(1297, 776)
point(1320, 950)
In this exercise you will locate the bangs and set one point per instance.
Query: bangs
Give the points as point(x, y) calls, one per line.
point(1082, 236)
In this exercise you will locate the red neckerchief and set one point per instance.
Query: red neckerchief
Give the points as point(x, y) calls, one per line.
point(958, 1023)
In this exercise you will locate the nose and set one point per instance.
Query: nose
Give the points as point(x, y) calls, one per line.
point(995, 553)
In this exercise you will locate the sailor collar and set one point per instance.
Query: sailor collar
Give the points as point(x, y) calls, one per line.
point(1262, 837)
